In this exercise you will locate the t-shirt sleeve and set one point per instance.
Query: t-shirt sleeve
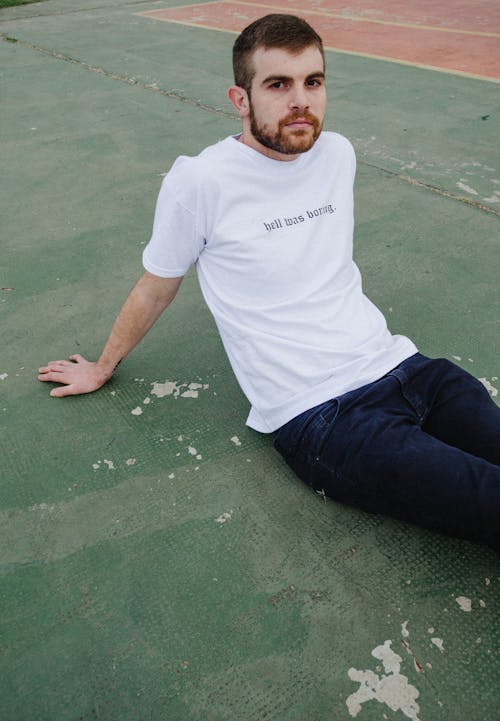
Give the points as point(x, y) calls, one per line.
point(176, 241)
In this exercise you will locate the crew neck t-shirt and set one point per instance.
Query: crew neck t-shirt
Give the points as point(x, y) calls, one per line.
point(272, 244)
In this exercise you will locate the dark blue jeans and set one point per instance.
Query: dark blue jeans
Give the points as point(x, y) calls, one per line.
point(421, 444)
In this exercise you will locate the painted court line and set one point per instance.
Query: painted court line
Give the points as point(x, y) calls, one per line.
point(463, 50)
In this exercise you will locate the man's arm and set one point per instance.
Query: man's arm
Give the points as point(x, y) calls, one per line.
point(146, 302)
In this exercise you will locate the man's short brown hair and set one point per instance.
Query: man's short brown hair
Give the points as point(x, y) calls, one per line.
point(271, 31)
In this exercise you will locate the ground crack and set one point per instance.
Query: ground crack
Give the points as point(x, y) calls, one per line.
point(433, 188)
point(153, 87)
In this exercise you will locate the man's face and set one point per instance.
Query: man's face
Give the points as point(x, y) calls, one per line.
point(287, 102)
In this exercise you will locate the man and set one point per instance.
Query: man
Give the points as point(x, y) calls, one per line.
point(267, 217)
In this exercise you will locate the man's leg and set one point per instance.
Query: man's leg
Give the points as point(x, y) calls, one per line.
point(367, 448)
point(464, 415)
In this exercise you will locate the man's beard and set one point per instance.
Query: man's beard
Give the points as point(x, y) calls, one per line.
point(287, 142)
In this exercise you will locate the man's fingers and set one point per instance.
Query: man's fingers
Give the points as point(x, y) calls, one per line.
point(62, 391)
point(51, 374)
point(59, 365)
point(76, 375)
point(45, 374)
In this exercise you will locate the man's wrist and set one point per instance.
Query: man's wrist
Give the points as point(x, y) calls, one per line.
point(107, 369)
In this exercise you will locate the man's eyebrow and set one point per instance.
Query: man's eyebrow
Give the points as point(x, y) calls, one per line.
point(286, 78)
point(276, 79)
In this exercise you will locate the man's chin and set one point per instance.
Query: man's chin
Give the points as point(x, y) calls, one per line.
point(300, 143)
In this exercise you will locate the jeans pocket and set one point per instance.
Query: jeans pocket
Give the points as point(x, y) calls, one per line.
point(301, 440)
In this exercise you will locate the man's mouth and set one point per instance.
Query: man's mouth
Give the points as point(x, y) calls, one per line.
point(299, 123)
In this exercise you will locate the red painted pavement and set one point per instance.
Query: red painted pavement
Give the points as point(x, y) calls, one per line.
point(451, 35)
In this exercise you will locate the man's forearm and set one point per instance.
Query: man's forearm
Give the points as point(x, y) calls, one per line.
point(145, 303)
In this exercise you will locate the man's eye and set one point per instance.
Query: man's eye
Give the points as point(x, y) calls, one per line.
point(278, 85)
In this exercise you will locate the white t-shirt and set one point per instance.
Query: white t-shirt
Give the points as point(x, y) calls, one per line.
point(272, 243)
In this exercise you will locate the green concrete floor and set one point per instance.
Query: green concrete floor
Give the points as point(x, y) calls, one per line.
point(159, 561)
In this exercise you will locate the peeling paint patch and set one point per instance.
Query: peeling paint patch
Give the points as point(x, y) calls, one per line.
point(464, 603)
point(404, 630)
point(43, 507)
point(189, 394)
point(169, 388)
point(131, 461)
point(495, 198)
point(137, 411)
point(226, 516)
point(172, 388)
point(461, 184)
point(489, 386)
point(3, 376)
point(438, 642)
point(391, 688)
point(111, 466)
point(235, 440)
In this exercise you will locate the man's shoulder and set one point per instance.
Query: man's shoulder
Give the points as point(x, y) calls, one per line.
point(207, 155)
point(332, 140)
point(190, 168)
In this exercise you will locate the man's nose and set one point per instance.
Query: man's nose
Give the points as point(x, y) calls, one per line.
point(298, 99)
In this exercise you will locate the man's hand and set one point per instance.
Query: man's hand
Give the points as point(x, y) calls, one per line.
point(145, 303)
point(77, 375)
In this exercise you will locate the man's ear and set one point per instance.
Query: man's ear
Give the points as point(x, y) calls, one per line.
point(239, 99)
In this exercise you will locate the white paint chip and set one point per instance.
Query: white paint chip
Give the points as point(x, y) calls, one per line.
point(404, 630)
point(3, 376)
point(391, 688)
point(226, 516)
point(438, 642)
point(146, 401)
point(109, 464)
point(236, 441)
point(464, 603)
point(492, 390)
point(172, 388)
point(171, 475)
point(131, 461)
point(168, 388)
point(137, 411)
point(192, 451)
point(462, 185)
